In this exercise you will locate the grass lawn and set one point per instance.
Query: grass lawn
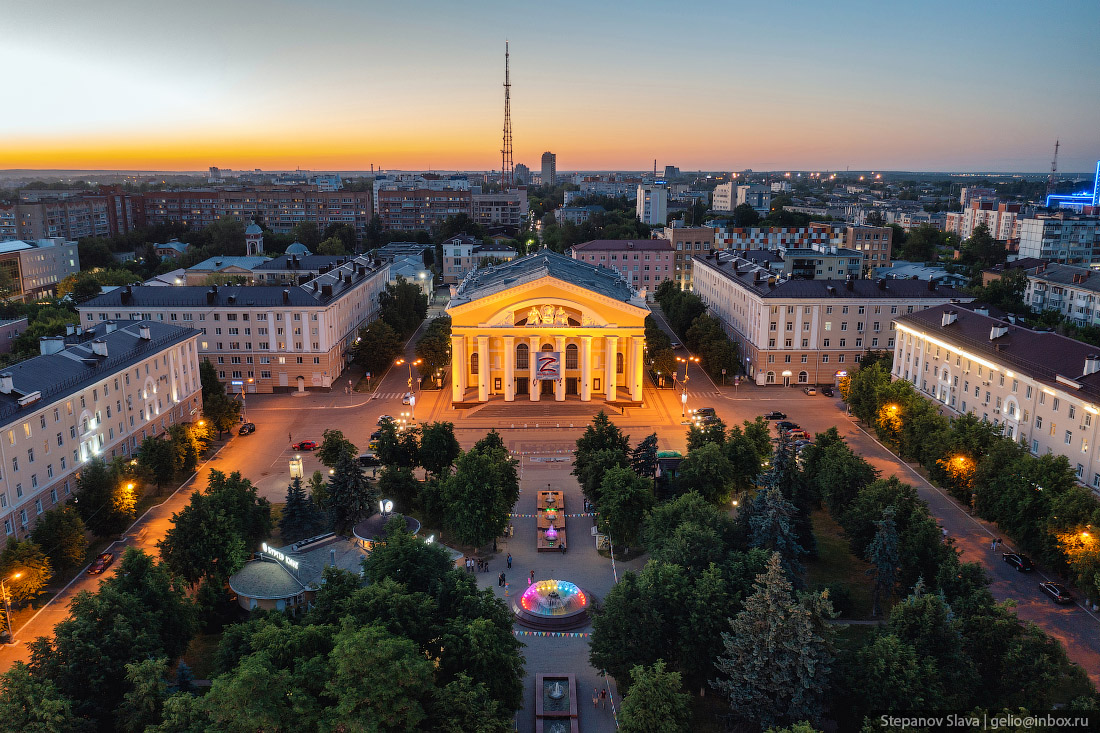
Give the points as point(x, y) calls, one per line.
point(836, 566)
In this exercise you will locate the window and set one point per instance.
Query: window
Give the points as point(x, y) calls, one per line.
point(474, 363)
point(571, 356)
point(1069, 437)
point(619, 363)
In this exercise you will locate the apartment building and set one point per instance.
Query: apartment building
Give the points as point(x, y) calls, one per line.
point(35, 267)
point(576, 214)
point(1072, 291)
point(727, 236)
point(280, 208)
point(644, 263)
point(505, 208)
point(652, 205)
point(1068, 240)
point(422, 208)
point(807, 331)
point(549, 169)
point(1044, 389)
point(99, 392)
point(999, 217)
point(876, 244)
point(10, 329)
point(687, 242)
point(272, 338)
point(463, 254)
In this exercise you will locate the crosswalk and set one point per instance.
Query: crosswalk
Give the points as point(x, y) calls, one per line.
point(388, 395)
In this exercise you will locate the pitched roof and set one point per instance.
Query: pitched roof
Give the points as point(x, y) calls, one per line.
point(253, 228)
point(217, 264)
point(544, 263)
point(1082, 278)
point(1042, 355)
point(302, 262)
point(625, 244)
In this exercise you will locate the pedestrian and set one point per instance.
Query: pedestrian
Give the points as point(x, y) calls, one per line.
point(509, 561)
point(603, 698)
point(563, 548)
point(500, 579)
point(529, 581)
point(511, 530)
point(944, 530)
point(993, 544)
point(531, 578)
point(290, 437)
point(595, 697)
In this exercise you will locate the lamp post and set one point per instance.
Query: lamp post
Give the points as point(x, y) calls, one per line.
point(7, 607)
point(684, 394)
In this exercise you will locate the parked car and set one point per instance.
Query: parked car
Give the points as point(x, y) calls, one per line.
point(376, 435)
point(786, 425)
point(384, 418)
point(407, 399)
point(674, 345)
point(247, 429)
point(706, 412)
point(369, 460)
point(1018, 561)
point(798, 434)
point(1057, 592)
point(305, 445)
point(101, 563)
point(775, 415)
point(827, 391)
point(810, 390)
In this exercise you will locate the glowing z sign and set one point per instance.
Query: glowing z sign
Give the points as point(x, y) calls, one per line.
point(548, 365)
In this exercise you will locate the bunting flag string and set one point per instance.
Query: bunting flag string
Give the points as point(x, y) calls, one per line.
point(533, 516)
point(555, 634)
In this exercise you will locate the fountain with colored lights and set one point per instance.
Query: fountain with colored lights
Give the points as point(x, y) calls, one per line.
point(552, 605)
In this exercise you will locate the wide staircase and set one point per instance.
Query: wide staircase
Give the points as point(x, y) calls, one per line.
point(544, 410)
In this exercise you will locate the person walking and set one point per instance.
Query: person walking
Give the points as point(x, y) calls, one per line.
point(563, 548)
point(603, 698)
point(509, 561)
point(500, 579)
point(531, 578)
point(595, 697)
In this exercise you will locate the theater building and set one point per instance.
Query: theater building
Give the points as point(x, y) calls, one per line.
point(547, 327)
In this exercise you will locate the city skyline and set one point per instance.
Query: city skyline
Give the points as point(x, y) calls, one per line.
point(337, 86)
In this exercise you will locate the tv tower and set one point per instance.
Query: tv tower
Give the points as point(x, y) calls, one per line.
point(506, 151)
point(1052, 181)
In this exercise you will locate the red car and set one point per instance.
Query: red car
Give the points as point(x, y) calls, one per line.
point(305, 445)
point(101, 563)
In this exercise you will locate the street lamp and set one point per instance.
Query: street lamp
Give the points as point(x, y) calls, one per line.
point(7, 607)
point(411, 364)
point(684, 394)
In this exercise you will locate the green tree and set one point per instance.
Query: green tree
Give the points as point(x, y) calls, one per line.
point(759, 433)
point(479, 495)
point(625, 499)
point(771, 521)
point(439, 447)
point(25, 568)
point(883, 554)
point(400, 484)
point(981, 250)
point(377, 347)
point(61, 532)
point(301, 518)
point(351, 495)
point(158, 458)
point(778, 653)
point(707, 470)
point(333, 247)
point(403, 305)
point(221, 410)
point(595, 468)
point(188, 443)
point(888, 675)
point(744, 215)
point(32, 704)
point(398, 448)
point(700, 435)
point(142, 705)
point(655, 702)
point(434, 347)
point(643, 459)
point(601, 435)
point(100, 498)
point(334, 446)
point(318, 490)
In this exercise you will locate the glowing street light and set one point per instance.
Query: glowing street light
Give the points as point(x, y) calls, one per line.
point(684, 394)
point(7, 606)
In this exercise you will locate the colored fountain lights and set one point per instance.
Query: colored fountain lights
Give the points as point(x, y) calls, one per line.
point(553, 598)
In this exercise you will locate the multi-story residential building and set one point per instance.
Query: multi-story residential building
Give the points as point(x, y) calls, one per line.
point(807, 331)
point(686, 241)
point(35, 267)
point(99, 392)
point(280, 208)
point(420, 209)
point(577, 214)
point(521, 174)
point(10, 328)
point(603, 186)
point(725, 197)
point(874, 242)
point(505, 208)
point(972, 193)
point(652, 205)
point(271, 338)
point(1069, 240)
point(731, 237)
point(549, 169)
point(999, 217)
point(463, 254)
point(643, 263)
point(1072, 291)
point(1044, 389)
point(759, 197)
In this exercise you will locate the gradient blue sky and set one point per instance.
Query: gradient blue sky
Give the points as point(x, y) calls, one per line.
point(337, 84)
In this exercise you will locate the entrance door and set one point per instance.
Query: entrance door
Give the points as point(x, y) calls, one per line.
point(571, 385)
point(786, 381)
point(546, 387)
point(523, 385)
point(301, 384)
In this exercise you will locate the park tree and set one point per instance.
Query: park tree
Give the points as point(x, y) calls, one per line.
point(143, 703)
point(377, 347)
point(301, 517)
point(400, 484)
point(479, 495)
point(981, 250)
point(883, 554)
point(759, 432)
point(439, 447)
point(318, 490)
point(655, 702)
point(596, 466)
point(61, 533)
point(158, 459)
point(219, 408)
point(25, 569)
point(625, 499)
point(706, 470)
point(600, 435)
point(403, 305)
point(776, 658)
point(643, 459)
point(188, 443)
point(711, 432)
point(335, 446)
point(351, 495)
point(744, 460)
point(771, 526)
point(333, 247)
point(32, 704)
point(101, 498)
point(400, 448)
point(433, 349)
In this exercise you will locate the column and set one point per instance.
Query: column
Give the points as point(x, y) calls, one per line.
point(611, 349)
point(536, 386)
point(586, 368)
point(458, 368)
point(638, 368)
point(483, 369)
point(559, 386)
point(509, 368)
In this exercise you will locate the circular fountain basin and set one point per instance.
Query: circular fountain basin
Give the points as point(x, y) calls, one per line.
point(552, 605)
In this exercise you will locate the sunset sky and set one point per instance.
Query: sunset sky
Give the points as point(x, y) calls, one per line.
point(341, 84)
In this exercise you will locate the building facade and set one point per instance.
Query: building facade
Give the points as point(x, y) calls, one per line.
point(420, 209)
point(807, 331)
point(999, 217)
point(549, 169)
point(96, 393)
point(1068, 240)
point(267, 337)
point(463, 254)
point(505, 208)
point(652, 205)
point(643, 263)
point(687, 242)
point(1044, 389)
point(36, 267)
point(1072, 291)
point(549, 327)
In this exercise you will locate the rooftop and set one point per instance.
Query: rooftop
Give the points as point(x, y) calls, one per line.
point(1081, 278)
point(56, 376)
point(217, 264)
point(544, 263)
point(624, 244)
point(268, 577)
point(301, 262)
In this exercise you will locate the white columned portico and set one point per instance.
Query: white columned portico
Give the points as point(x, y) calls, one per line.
point(559, 385)
point(637, 368)
point(586, 368)
point(482, 368)
point(536, 385)
point(509, 368)
point(458, 368)
point(611, 350)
